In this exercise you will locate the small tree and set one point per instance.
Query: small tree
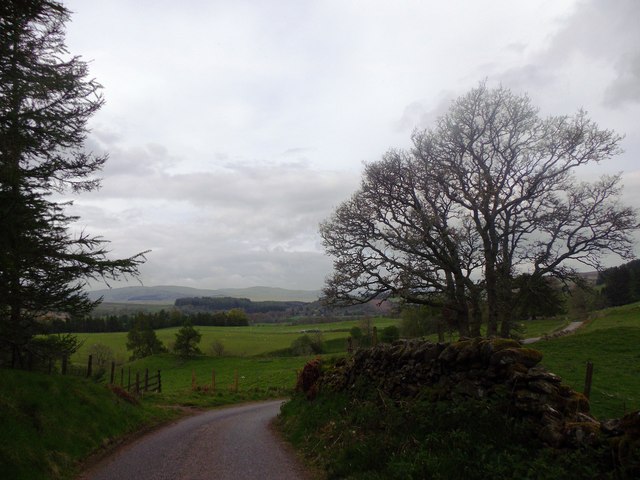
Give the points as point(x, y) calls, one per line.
point(356, 333)
point(217, 348)
point(421, 320)
point(142, 341)
point(187, 340)
point(102, 355)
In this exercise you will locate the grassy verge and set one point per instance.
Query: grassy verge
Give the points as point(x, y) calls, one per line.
point(366, 436)
point(49, 423)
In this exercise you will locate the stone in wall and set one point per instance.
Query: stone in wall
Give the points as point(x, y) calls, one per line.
point(475, 369)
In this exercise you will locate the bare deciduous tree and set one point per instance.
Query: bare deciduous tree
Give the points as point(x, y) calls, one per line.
point(486, 194)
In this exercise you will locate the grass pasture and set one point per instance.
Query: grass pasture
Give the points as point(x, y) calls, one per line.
point(258, 378)
point(611, 341)
point(254, 340)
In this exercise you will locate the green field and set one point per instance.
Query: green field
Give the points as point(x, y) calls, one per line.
point(611, 341)
point(238, 341)
point(49, 422)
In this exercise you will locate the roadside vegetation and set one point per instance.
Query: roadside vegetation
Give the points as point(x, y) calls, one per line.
point(50, 422)
point(361, 434)
point(261, 359)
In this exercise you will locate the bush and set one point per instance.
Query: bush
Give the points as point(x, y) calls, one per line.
point(389, 334)
point(368, 436)
point(307, 345)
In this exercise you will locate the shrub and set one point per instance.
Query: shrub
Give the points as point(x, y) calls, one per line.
point(307, 345)
point(389, 334)
point(142, 341)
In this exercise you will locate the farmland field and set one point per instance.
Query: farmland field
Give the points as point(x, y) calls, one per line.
point(238, 341)
point(610, 340)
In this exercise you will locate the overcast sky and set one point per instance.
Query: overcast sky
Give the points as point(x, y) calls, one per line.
point(234, 127)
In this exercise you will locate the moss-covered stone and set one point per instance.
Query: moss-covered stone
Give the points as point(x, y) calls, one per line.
point(576, 402)
point(511, 355)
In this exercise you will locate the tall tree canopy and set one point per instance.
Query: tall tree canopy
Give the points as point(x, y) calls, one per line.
point(46, 99)
point(488, 193)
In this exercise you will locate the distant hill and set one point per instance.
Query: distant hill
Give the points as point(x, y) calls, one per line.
point(167, 294)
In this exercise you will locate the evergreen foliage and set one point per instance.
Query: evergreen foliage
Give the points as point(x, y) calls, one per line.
point(621, 283)
point(187, 340)
point(46, 99)
point(142, 341)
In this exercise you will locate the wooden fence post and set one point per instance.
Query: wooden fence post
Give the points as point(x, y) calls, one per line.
point(588, 379)
point(146, 379)
point(159, 382)
point(213, 380)
point(113, 372)
point(89, 366)
point(137, 383)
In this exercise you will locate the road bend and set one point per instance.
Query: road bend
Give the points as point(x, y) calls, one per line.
point(231, 443)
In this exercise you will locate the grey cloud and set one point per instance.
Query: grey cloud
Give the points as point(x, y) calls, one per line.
point(605, 32)
point(626, 87)
point(240, 224)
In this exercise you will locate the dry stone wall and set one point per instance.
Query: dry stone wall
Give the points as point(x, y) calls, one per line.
point(470, 369)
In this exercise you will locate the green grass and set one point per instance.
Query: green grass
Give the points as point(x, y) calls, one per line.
point(611, 341)
point(49, 423)
point(238, 341)
point(258, 378)
point(361, 435)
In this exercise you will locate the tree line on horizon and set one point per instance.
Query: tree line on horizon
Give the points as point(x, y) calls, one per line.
point(154, 320)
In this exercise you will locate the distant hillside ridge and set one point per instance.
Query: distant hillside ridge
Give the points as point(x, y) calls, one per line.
point(168, 294)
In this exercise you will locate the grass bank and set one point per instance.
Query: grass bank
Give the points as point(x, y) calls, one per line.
point(366, 436)
point(50, 423)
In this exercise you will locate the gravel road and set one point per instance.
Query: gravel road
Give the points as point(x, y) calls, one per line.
point(230, 443)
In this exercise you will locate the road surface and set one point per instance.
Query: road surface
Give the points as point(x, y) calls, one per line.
point(230, 443)
point(572, 327)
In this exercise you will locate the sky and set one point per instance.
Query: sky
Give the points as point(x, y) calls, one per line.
point(234, 127)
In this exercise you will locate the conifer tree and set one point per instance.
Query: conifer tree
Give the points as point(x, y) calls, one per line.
point(46, 99)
